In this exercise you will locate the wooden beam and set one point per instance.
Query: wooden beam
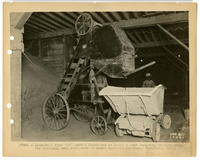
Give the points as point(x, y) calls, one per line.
point(175, 57)
point(173, 37)
point(151, 21)
point(38, 20)
point(137, 34)
point(35, 27)
point(155, 44)
point(57, 20)
point(98, 18)
point(126, 15)
point(39, 25)
point(65, 16)
point(133, 39)
point(51, 34)
point(153, 36)
point(19, 19)
point(116, 16)
point(146, 36)
point(106, 16)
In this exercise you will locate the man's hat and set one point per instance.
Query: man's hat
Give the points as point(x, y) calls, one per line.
point(148, 74)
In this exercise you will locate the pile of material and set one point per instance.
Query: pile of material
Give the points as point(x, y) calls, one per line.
point(37, 83)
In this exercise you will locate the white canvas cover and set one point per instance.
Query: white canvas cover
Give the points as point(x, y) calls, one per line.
point(144, 101)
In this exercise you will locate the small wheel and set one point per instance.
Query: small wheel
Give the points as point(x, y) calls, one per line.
point(156, 132)
point(99, 125)
point(118, 131)
point(83, 24)
point(55, 112)
point(166, 121)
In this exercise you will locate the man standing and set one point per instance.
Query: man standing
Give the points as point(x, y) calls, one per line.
point(148, 83)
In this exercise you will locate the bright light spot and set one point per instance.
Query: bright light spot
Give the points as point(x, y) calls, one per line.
point(179, 55)
point(9, 51)
point(84, 46)
point(141, 60)
point(12, 38)
point(11, 121)
point(9, 105)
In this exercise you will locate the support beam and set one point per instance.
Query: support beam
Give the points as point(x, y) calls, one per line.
point(57, 20)
point(51, 34)
point(156, 44)
point(98, 18)
point(19, 19)
point(175, 57)
point(116, 16)
point(126, 15)
point(151, 21)
point(138, 36)
point(133, 39)
point(173, 37)
point(145, 34)
point(66, 17)
point(106, 16)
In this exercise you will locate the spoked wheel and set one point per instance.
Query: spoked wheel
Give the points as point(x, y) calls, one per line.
point(166, 121)
point(55, 112)
point(118, 131)
point(82, 112)
point(156, 132)
point(99, 125)
point(83, 24)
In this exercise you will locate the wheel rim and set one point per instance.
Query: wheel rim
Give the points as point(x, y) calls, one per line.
point(83, 24)
point(166, 122)
point(56, 112)
point(99, 125)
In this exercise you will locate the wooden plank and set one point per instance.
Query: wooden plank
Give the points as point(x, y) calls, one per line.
point(106, 16)
point(151, 21)
point(145, 34)
point(58, 20)
point(42, 22)
point(35, 27)
point(173, 37)
point(66, 17)
point(39, 26)
point(98, 18)
point(126, 15)
point(175, 57)
point(156, 44)
point(137, 34)
point(116, 16)
point(133, 39)
point(153, 36)
point(51, 34)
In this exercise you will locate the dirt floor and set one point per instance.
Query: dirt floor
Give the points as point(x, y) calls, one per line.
point(80, 131)
point(39, 82)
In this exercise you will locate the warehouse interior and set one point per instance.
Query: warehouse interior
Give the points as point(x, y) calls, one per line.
point(49, 39)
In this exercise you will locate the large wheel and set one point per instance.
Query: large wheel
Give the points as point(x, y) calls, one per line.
point(83, 24)
point(118, 131)
point(99, 125)
point(166, 121)
point(155, 134)
point(56, 112)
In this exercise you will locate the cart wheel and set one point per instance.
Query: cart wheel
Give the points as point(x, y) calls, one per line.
point(55, 112)
point(155, 132)
point(83, 109)
point(118, 131)
point(166, 121)
point(99, 125)
point(83, 24)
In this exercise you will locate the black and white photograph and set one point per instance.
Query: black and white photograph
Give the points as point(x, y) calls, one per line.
point(105, 76)
point(99, 79)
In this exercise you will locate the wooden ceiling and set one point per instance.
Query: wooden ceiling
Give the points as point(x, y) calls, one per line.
point(141, 27)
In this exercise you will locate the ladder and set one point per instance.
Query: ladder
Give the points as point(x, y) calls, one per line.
point(71, 76)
